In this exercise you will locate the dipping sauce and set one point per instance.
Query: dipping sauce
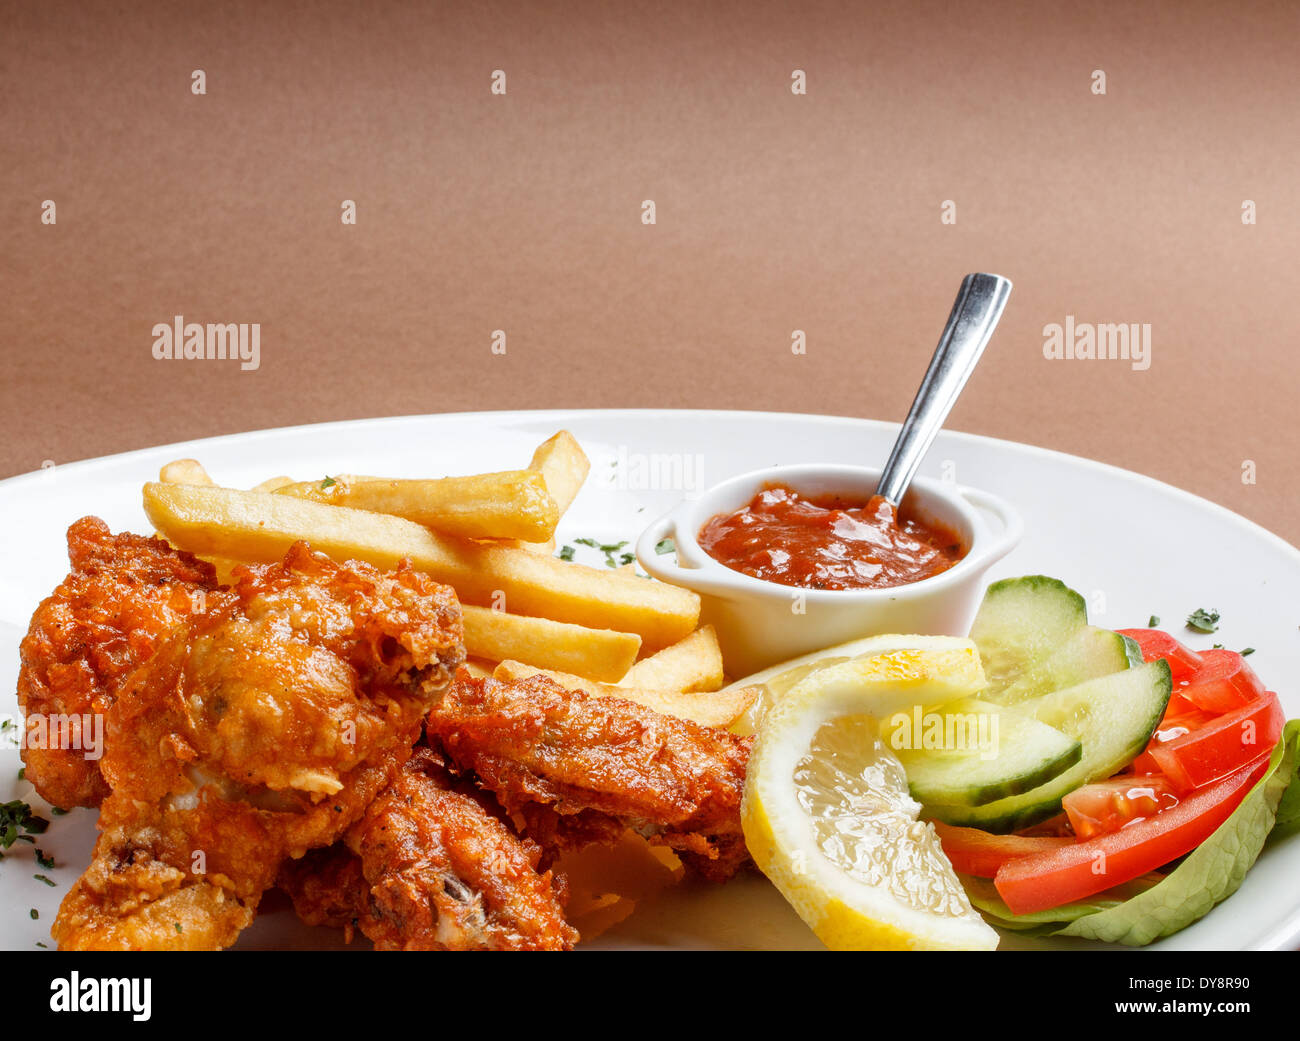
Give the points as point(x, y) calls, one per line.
point(828, 542)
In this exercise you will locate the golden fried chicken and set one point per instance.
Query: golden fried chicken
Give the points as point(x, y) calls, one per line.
point(258, 731)
point(433, 867)
point(580, 768)
point(124, 596)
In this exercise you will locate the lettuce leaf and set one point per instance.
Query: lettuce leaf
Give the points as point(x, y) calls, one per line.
point(1210, 873)
point(984, 897)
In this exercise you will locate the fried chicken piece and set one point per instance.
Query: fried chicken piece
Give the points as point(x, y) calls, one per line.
point(434, 867)
point(123, 597)
point(597, 763)
point(260, 730)
point(446, 873)
point(327, 888)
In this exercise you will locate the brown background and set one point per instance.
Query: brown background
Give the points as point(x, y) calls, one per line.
point(775, 212)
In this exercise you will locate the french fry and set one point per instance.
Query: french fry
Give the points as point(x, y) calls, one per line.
point(513, 504)
point(694, 663)
point(185, 471)
point(479, 669)
point(260, 527)
point(598, 654)
point(272, 484)
point(564, 466)
point(708, 708)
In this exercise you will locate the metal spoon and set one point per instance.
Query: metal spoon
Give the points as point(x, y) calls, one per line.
point(974, 316)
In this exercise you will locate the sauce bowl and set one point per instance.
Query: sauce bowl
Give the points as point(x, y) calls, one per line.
point(760, 623)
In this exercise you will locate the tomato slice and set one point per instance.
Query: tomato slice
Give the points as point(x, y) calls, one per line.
point(1223, 683)
point(1056, 877)
point(1106, 806)
point(981, 853)
point(1221, 747)
point(1183, 661)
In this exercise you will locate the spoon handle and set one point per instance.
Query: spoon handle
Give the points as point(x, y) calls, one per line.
point(974, 316)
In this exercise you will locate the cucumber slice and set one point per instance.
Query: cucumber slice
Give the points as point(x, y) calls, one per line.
point(978, 752)
point(1023, 621)
point(1087, 654)
point(1113, 717)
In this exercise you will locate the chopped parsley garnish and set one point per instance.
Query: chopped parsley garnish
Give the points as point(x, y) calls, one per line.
point(22, 773)
point(1153, 621)
point(48, 881)
point(1247, 651)
point(35, 914)
point(610, 549)
point(16, 817)
point(39, 944)
point(329, 482)
point(58, 811)
point(665, 546)
point(178, 927)
point(1218, 647)
point(566, 552)
point(44, 859)
point(1203, 621)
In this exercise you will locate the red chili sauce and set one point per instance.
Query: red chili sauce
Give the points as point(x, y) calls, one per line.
point(828, 542)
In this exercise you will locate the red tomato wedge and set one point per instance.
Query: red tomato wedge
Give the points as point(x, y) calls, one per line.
point(1222, 746)
point(1155, 643)
point(981, 853)
point(1056, 877)
point(1106, 806)
point(1223, 683)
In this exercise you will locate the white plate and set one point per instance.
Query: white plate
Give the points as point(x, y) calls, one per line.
point(1133, 546)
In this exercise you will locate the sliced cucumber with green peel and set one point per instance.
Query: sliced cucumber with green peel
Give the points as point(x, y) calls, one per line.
point(1023, 621)
point(1112, 717)
point(970, 752)
point(1087, 654)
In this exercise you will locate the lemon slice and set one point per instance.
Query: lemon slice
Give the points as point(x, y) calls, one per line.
point(828, 818)
point(778, 680)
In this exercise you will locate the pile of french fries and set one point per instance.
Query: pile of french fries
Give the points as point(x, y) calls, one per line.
point(607, 631)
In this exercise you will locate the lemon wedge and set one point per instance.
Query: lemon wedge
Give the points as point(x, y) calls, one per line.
point(778, 680)
point(828, 818)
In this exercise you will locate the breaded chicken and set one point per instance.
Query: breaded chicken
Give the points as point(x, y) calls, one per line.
point(575, 766)
point(123, 598)
point(262, 729)
point(434, 867)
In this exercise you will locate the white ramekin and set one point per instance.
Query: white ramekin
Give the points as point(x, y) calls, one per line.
point(760, 623)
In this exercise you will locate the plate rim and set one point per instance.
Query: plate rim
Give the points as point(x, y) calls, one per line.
point(20, 481)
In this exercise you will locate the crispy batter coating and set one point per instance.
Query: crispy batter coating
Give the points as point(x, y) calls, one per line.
point(261, 729)
point(123, 597)
point(589, 760)
point(435, 868)
point(327, 887)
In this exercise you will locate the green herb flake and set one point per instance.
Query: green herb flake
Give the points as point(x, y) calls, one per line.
point(178, 927)
point(1203, 621)
point(1247, 652)
point(1153, 621)
point(610, 549)
point(39, 944)
point(566, 552)
point(665, 546)
point(44, 859)
point(35, 914)
point(48, 881)
point(329, 482)
point(16, 817)
point(58, 811)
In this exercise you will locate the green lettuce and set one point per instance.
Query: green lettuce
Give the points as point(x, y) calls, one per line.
point(1209, 874)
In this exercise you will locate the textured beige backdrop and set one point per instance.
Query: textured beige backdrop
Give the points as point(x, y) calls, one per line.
point(774, 212)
